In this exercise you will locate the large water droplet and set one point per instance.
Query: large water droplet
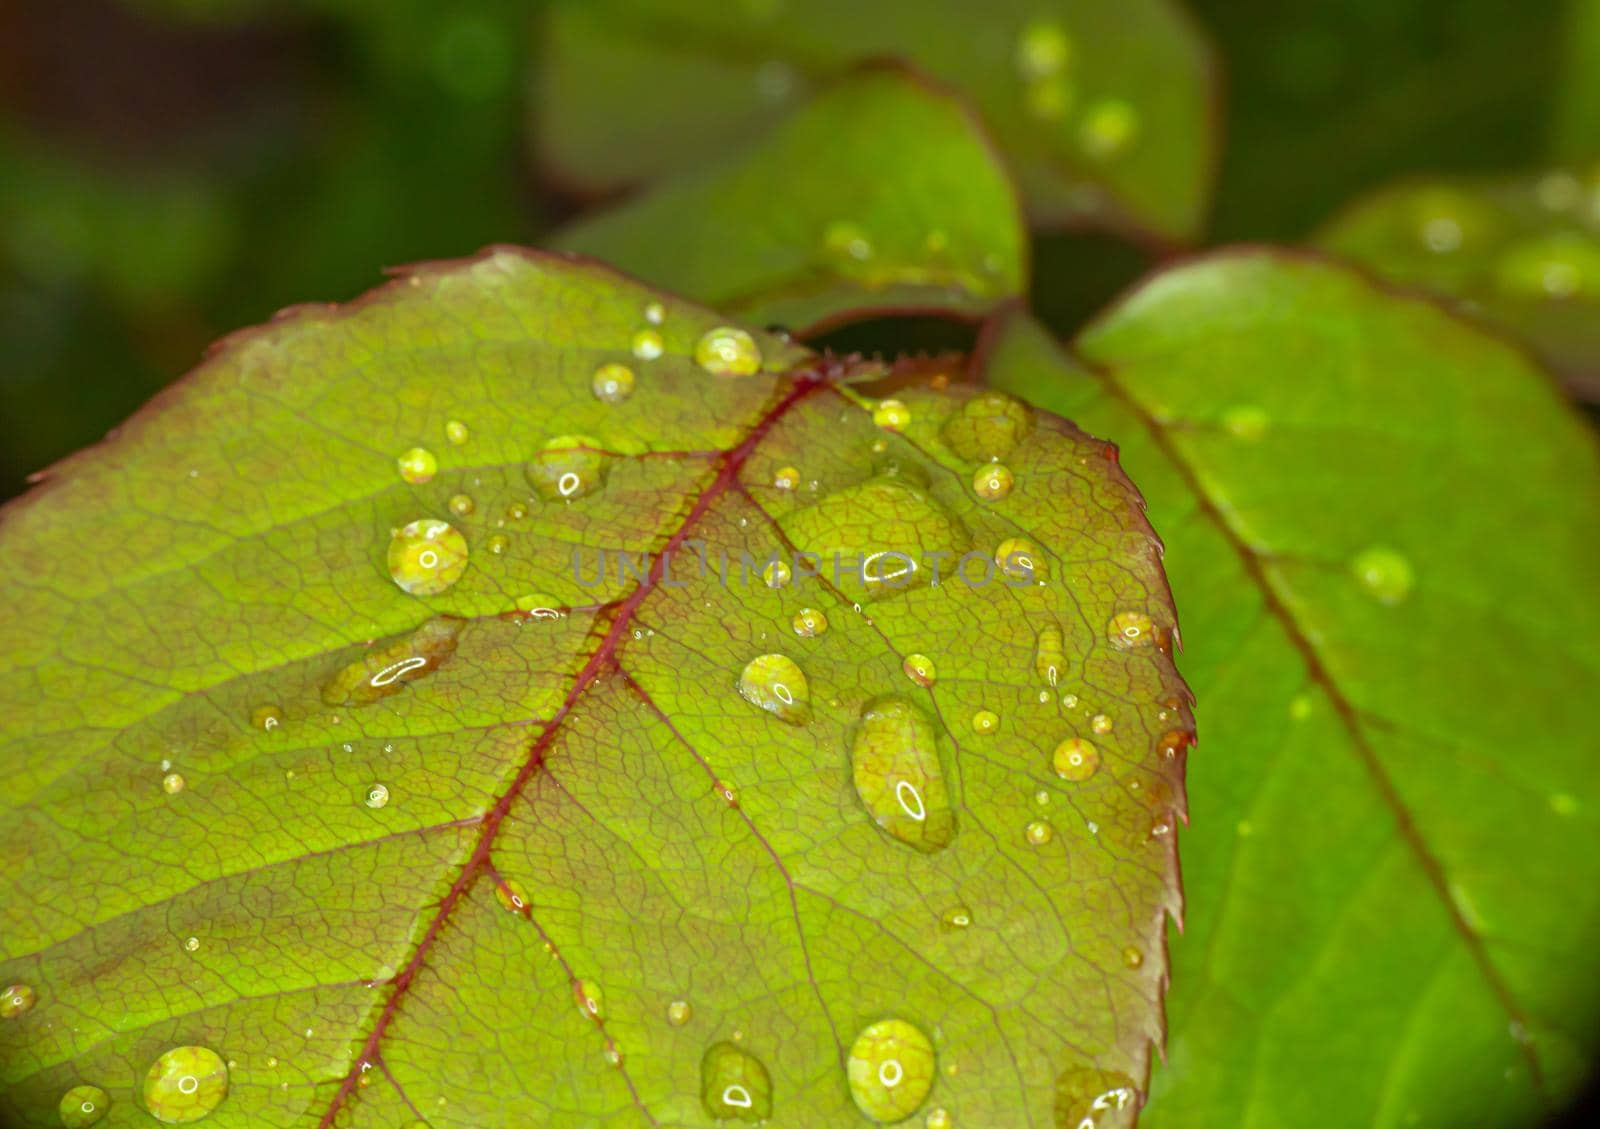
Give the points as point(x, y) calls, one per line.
point(567, 467)
point(1087, 1098)
point(1075, 759)
point(987, 427)
point(16, 1000)
point(734, 1085)
point(894, 759)
point(82, 1106)
point(992, 482)
point(891, 1069)
point(1050, 655)
point(185, 1084)
point(386, 669)
point(776, 684)
point(612, 383)
point(426, 556)
point(1130, 629)
point(1019, 559)
point(418, 465)
point(1385, 573)
point(726, 351)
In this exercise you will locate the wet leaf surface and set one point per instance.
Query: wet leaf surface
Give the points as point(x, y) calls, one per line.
point(339, 794)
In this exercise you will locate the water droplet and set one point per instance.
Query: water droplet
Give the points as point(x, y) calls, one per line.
point(457, 432)
point(1100, 723)
point(1049, 655)
point(1560, 266)
point(1019, 559)
point(1075, 759)
point(891, 1069)
point(499, 543)
point(728, 793)
point(955, 918)
point(992, 482)
point(1246, 421)
point(612, 383)
point(1130, 629)
point(15, 1000)
point(192, 944)
point(1109, 126)
point(82, 1106)
point(173, 783)
point(938, 1118)
point(568, 467)
point(786, 478)
point(987, 427)
point(726, 351)
point(892, 415)
point(427, 556)
point(387, 669)
point(734, 1085)
point(185, 1084)
point(516, 511)
point(776, 684)
point(679, 1012)
point(1043, 50)
point(511, 896)
point(647, 345)
point(1384, 573)
point(920, 669)
point(1039, 832)
point(847, 241)
point(809, 622)
point(894, 759)
point(590, 999)
point(777, 574)
point(1087, 1098)
point(1132, 957)
point(266, 718)
point(655, 313)
point(418, 465)
point(985, 722)
point(462, 504)
point(377, 796)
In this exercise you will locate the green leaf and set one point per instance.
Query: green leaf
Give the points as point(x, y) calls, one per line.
point(925, 220)
point(1577, 114)
point(1524, 253)
point(1381, 528)
point(1103, 110)
point(333, 786)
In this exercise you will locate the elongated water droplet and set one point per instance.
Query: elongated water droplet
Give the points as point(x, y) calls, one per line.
point(809, 622)
point(387, 669)
point(987, 427)
point(891, 1069)
point(679, 1012)
point(776, 684)
point(919, 668)
point(612, 383)
point(1075, 759)
point(16, 1000)
point(726, 351)
point(1049, 655)
point(418, 465)
point(82, 1106)
point(185, 1084)
point(1130, 629)
point(894, 760)
point(992, 482)
point(1087, 1098)
point(568, 467)
point(426, 557)
point(1384, 573)
point(734, 1085)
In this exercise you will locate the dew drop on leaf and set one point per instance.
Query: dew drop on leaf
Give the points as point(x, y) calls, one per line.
point(679, 1012)
point(418, 465)
point(612, 383)
point(955, 919)
point(1109, 126)
point(655, 313)
point(266, 718)
point(1039, 832)
point(173, 783)
point(1043, 50)
point(386, 669)
point(845, 241)
point(647, 345)
point(16, 1000)
point(426, 556)
point(894, 760)
point(777, 574)
point(987, 427)
point(461, 504)
point(457, 432)
point(892, 415)
point(1087, 1098)
point(591, 1001)
point(192, 944)
point(1075, 759)
point(1246, 421)
point(499, 543)
point(985, 722)
point(786, 478)
point(568, 467)
point(1019, 559)
point(992, 482)
point(82, 1106)
point(1049, 655)
point(920, 669)
point(726, 351)
point(377, 796)
point(891, 1069)
point(1130, 629)
point(776, 684)
point(1384, 573)
point(1132, 957)
point(809, 622)
point(938, 1119)
point(734, 1085)
point(185, 1084)
point(1101, 723)
point(510, 895)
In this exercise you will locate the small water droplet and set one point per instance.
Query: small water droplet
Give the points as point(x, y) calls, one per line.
point(1246, 421)
point(457, 432)
point(777, 574)
point(612, 383)
point(16, 1000)
point(809, 622)
point(728, 793)
point(511, 896)
point(647, 345)
point(786, 478)
point(568, 467)
point(894, 760)
point(1109, 127)
point(1019, 559)
point(1132, 957)
point(892, 415)
point(173, 783)
point(377, 796)
point(1130, 629)
point(426, 556)
point(655, 313)
point(920, 669)
point(955, 919)
point(1385, 573)
point(679, 1012)
point(499, 543)
point(985, 722)
point(1563, 804)
point(776, 684)
point(1039, 832)
point(992, 482)
point(192, 944)
point(461, 504)
point(1087, 1098)
point(83, 1106)
point(1101, 723)
point(891, 1069)
point(418, 465)
point(734, 1085)
point(266, 718)
point(846, 241)
point(987, 427)
point(185, 1084)
point(726, 351)
point(1043, 50)
point(938, 1118)
point(590, 1000)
